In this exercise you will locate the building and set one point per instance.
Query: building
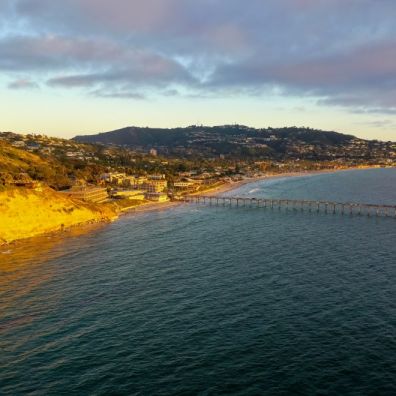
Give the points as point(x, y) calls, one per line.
point(19, 143)
point(105, 177)
point(156, 177)
point(156, 186)
point(180, 185)
point(86, 193)
point(128, 181)
point(136, 195)
point(139, 182)
point(156, 197)
point(153, 152)
point(117, 178)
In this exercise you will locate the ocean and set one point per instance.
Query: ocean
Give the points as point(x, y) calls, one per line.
point(209, 300)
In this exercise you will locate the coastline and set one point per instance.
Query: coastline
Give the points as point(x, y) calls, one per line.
point(160, 206)
point(149, 207)
point(226, 187)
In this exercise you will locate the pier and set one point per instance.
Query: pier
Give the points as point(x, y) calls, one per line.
point(343, 208)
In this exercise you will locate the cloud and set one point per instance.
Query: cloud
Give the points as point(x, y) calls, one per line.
point(23, 83)
point(340, 52)
point(82, 80)
point(51, 52)
point(386, 124)
point(363, 76)
point(118, 94)
point(375, 110)
point(139, 70)
point(97, 61)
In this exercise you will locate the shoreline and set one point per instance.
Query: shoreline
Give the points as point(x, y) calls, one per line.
point(160, 206)
point(149, 207)
point(226, 187)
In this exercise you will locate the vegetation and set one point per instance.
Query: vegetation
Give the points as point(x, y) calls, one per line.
point(239, 142)
point(213, 152)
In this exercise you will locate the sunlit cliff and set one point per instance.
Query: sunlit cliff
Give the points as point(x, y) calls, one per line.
point(25, 213)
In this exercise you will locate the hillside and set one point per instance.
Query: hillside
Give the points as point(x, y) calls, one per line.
point(14, 160)
point(241, 142)
point(26, 213)
point(135, 136)
point(58, 163)
point(16, 163)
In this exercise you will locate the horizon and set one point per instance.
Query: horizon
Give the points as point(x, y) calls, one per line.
point(84, 66)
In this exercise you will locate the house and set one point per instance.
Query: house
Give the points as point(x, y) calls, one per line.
point(19, 143)
point(156, 197)
point(137, 195)
point(128, 181)
point(113, 178)
point(88, 193)
point(139, 182)
point(157, 177)
point(156, 185)
point(183, 184)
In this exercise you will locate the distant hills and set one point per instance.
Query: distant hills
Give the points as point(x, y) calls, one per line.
point(239, 141)
point(199, 135)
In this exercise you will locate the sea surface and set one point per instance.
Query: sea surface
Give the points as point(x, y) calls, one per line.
point(210, 300)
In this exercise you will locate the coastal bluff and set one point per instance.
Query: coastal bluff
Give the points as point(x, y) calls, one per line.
point(26, 213)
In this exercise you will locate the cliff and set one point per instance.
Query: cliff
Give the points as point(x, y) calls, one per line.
point(26, 213)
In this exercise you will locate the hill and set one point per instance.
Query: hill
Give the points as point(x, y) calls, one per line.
point(26, 212)
point(242, 142)
point(37, 209)
point(136, 136)
point(59, 163)
point(16, 164)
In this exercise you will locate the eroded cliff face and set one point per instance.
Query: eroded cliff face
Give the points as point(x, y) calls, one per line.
point(25, 213)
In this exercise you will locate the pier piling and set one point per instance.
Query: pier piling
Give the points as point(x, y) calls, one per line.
point(342, 208)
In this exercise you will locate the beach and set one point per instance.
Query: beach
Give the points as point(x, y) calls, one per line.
point(234, 185)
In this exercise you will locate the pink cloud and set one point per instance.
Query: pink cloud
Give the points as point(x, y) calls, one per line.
point(23, 83)
point(325, 48)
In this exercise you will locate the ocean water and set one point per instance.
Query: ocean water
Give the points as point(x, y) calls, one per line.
point(210, 300)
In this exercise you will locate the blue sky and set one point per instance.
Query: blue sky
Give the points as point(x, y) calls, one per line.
point(85, 66)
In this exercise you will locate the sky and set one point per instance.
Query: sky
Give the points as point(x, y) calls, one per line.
point(88, 66)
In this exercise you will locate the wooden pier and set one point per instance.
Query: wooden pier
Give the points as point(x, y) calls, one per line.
point(343, 208)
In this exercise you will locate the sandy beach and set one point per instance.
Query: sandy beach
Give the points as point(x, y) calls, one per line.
point(215, 191)
point(150, 207)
